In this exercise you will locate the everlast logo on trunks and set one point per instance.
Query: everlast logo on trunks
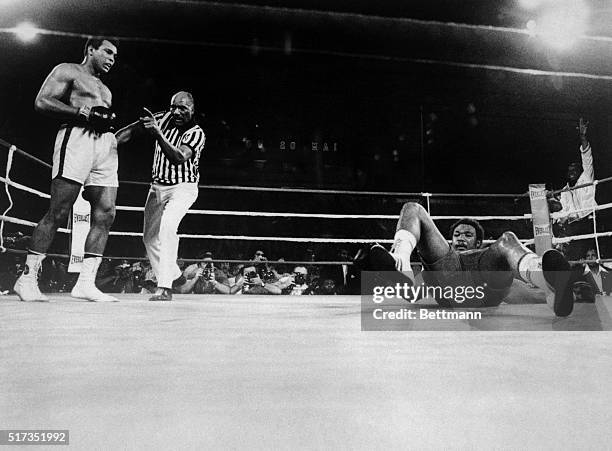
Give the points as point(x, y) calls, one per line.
point(76, 259)
point(541, 230)
point(80, 218)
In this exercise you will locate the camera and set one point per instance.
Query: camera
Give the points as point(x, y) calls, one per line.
point(250, 276)
point(299, 278)
point(208, 272)
point(268, 276)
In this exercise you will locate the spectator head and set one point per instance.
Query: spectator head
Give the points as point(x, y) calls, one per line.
point(328, 286)
point(574, 169)
point(259, 255)
point(466, 234)
point(300, 274)
point(591, 254)
point(344, 255)
point(207, 257)
point(281, 268)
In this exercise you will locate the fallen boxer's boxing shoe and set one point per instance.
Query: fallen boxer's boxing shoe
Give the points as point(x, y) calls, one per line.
point(559, 275)
point(382, 265)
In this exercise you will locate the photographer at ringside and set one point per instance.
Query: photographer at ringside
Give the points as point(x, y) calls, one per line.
point(296, 284)
point(123, 278)
point(205, 278)
point(256, 279)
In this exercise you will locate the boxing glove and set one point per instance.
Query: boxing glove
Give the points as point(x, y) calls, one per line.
point(99, 118)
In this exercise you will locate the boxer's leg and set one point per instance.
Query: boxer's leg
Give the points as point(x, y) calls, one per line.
point(428, 239)
point(102, 201)
point(551, 272)
point(415, 229)
point(63, 194)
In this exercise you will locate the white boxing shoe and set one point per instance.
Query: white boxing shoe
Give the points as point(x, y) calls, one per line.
point(85, 288)
point(90, 292)
point(26, 285)
point(27, 289)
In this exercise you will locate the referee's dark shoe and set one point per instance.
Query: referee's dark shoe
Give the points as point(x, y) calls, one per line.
point(164, 295)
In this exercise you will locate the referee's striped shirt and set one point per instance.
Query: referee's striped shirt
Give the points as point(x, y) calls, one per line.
point(165, 171)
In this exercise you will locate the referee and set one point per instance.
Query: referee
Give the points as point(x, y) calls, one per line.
point(178, 145)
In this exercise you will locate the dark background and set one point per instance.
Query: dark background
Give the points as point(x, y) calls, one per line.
point(367, 79)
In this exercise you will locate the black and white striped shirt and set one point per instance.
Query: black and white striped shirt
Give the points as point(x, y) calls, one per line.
point(165, 171)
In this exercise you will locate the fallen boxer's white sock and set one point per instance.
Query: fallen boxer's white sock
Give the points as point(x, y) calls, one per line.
point(530, 269)
point(403, 245)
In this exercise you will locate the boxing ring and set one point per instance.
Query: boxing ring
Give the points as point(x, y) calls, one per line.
point(211, 371)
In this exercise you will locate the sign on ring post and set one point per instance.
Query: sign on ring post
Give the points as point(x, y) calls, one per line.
point(79, 222)
point(540, 217)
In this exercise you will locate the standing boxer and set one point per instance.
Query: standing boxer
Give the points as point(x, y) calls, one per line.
point(178, 144)
point(85, 154)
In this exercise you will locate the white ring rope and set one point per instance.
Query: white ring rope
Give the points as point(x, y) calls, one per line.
point(27, 223)
point(304, 240)
point(320, 215)
point(568, 239)
point(243, 237)
point(24, 188)
point(557, 215)
point(595, 232)
point(9, 164)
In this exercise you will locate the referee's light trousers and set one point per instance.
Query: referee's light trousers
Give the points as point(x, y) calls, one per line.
point(165, 208)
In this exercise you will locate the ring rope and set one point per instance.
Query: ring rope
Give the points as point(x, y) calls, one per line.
point(583, 185)
point(581, 237)
point(595, 232)
point(24, 188)
point(299, 239)
point(284, 214)
point(9, 164)
point(245, 237)
point(581, 210)
point(320, 215)
point(271, 262)
point(328, 191)
point(25, 154)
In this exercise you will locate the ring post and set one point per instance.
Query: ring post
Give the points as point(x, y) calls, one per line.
point(541, 218)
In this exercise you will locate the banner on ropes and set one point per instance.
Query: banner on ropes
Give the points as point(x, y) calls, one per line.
point(79, 224)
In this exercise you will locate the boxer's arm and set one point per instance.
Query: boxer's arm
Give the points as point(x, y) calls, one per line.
point(54, 89)
point(127, 133)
